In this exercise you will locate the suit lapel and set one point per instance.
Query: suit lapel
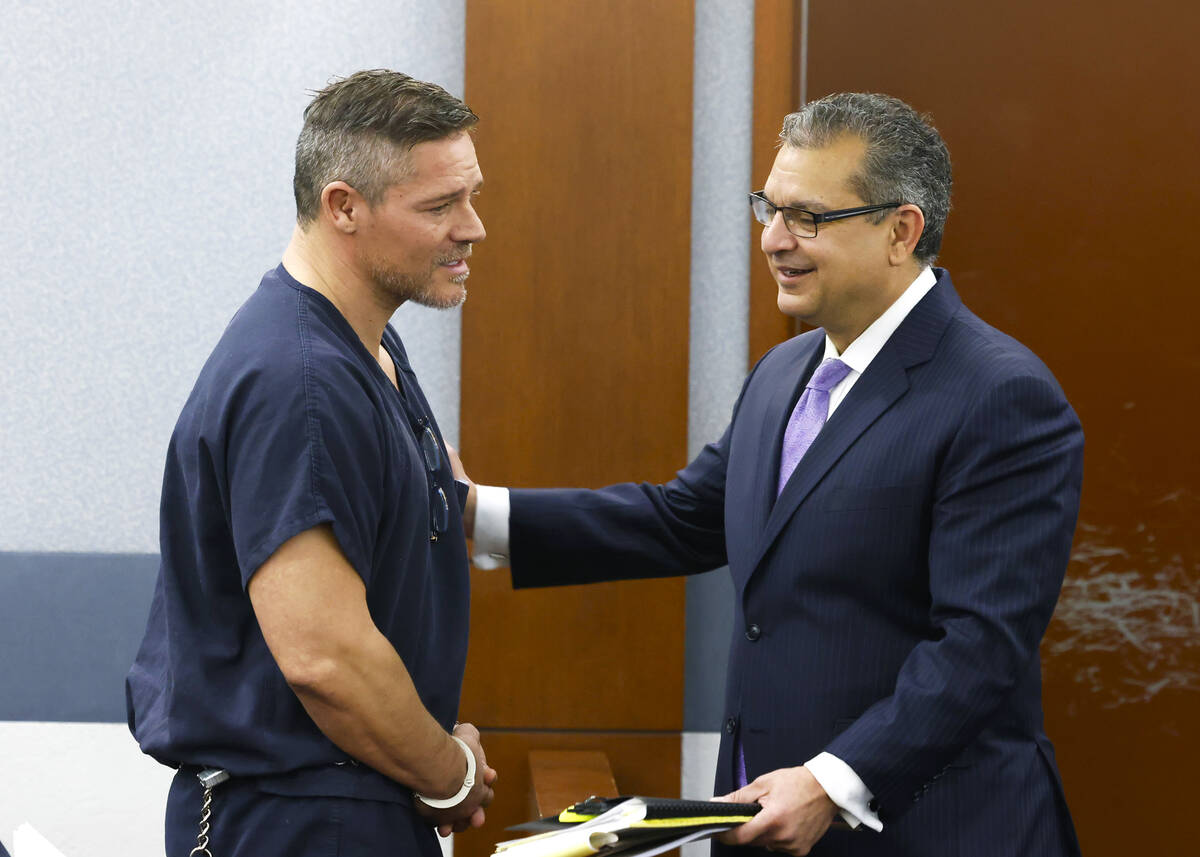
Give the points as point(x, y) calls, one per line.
point(882, 384)
point(885, 381)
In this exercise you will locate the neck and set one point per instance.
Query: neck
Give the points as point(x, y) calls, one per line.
point(326, 267)
point(898, 279)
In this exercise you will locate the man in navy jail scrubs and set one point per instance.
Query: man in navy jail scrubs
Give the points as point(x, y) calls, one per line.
point(308, 631)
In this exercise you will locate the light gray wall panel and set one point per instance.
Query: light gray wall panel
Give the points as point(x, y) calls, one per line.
point(722, 104)
point(146, 160)
point(723, 75)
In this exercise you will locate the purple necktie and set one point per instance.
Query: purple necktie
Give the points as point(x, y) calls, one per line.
point(808, 417)
point(803, 426)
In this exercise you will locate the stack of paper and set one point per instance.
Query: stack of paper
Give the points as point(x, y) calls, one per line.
point(625, 826)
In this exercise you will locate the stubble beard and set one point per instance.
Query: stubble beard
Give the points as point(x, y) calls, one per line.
point(402, 286)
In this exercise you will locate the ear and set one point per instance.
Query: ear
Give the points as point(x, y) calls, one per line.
point(906, 231)
point(343, 205)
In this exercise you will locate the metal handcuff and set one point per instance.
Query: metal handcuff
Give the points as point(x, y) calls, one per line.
point(468, 782)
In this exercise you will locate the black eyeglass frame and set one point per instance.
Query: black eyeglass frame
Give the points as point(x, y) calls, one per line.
point(431, 453)
point(818, 217)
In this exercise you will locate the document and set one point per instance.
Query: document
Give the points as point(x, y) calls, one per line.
point(625, 826)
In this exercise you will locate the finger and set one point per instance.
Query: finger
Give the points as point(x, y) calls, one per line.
point(746, 794)
point(753, 830)
point(478, 817)
point(479, 747)
point(489, 775)
point(466, 730)
point(791, 846)
point(444, 830)
point(736, 836)
point(456, 465)
point(731, 797)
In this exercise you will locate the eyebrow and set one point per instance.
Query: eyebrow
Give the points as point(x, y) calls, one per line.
point(454, 194)
point(808, 205)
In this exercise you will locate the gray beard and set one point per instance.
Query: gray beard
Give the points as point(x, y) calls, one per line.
point(417, 288)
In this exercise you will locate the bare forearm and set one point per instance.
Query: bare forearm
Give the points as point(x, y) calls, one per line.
point(311, 606)
point(364, 701)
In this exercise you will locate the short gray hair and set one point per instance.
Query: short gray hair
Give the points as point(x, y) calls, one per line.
point(356, 127)
point(906, 159)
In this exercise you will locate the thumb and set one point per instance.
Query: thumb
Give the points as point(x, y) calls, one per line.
point(732, 797)
point(749, 793)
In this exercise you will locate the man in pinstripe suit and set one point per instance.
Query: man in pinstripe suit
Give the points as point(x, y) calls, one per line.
point(895, 496)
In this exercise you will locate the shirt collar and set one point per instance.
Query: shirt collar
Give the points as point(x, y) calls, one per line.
point(862, 351)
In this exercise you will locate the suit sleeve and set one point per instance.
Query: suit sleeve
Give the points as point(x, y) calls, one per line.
point(623, 532)
point(1004, 512)
point(626, 532)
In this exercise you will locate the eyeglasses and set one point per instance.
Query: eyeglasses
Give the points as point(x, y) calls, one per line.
point(431, 450)
point(800, 221)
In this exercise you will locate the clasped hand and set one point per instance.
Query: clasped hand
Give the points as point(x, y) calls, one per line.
point(795, 813)
point(469, 813)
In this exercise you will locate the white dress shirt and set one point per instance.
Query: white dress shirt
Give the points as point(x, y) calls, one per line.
point(844, 787)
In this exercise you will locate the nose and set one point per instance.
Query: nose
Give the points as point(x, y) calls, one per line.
point(470, 229)
point(775, 236)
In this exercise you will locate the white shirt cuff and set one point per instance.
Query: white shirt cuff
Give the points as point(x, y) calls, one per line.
point(845, 789)
point(491, 527)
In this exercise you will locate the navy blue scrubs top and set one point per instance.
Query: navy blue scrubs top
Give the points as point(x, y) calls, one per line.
point(293, 424)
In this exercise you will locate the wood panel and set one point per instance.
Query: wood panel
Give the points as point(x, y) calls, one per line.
point(1073, 136)
point(575, 336)
point(777, 39)
point(562, 778)
point(642, 763)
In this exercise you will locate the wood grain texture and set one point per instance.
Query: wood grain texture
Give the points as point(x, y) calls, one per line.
point(564, 777)
point(776, 93)
point(575, 336)
point(1075, 184)
point(642, 764)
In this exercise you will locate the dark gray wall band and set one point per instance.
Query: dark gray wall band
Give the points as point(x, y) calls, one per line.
point(70, 625)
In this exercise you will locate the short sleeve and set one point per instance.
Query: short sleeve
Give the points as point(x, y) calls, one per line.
point(303, 450)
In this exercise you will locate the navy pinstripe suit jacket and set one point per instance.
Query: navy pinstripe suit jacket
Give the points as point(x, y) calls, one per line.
point(900, 584)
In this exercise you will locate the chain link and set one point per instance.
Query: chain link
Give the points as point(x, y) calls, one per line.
point(201, 849)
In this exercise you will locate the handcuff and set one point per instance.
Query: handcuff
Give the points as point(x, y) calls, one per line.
point(468, 783)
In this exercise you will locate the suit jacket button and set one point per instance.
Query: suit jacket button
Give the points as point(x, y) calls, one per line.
point(753, 633)
point(731, 725)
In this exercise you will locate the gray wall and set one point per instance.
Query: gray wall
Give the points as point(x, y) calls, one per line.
point(146, 157)
point(719, 336)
